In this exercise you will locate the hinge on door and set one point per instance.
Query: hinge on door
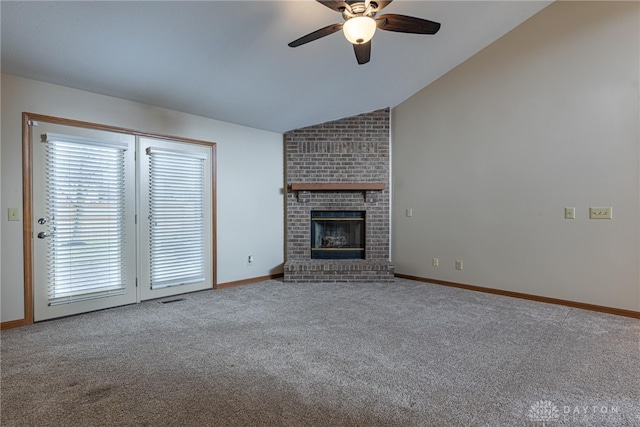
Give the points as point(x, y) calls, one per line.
point(136, 216)
point(136, 282)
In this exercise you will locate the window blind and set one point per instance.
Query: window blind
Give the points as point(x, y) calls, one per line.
point(176, 217)
point(85, 216)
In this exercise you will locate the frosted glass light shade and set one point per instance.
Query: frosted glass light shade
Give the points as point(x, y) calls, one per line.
point(360, 29)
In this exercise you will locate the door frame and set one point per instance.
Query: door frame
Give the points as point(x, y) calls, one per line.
point(27, 192)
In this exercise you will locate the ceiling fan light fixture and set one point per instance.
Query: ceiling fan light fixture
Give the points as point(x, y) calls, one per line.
point(359, 29)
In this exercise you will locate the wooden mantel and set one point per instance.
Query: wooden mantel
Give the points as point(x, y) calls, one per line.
point(338, 186)
point(369, 189)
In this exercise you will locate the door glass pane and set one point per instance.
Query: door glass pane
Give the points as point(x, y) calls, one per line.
point(176, 217)
point(86, 219)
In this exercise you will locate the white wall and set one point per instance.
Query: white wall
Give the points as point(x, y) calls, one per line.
point(489, 155)
point(250, 181)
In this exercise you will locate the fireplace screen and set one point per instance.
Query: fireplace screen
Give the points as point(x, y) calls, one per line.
point(337, 234)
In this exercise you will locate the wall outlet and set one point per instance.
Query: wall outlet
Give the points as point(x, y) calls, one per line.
point(250, 260)
point(570, 213)
point(435, 262)
point(601, 213)
point(458, 264)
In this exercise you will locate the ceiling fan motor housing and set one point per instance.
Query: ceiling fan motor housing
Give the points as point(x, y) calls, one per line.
point(360, 9)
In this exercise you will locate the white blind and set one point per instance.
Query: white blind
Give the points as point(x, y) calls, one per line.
point(176, 217)
point(85, 218)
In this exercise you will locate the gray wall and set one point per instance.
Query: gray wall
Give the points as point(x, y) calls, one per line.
point(489, 155)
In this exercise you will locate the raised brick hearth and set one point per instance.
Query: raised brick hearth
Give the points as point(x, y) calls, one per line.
point(351, 158)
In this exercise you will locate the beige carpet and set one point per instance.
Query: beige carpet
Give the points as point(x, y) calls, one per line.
point(276, 354)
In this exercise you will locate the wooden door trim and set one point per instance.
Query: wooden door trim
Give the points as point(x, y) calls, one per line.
point(27, 192)
point(27, 220)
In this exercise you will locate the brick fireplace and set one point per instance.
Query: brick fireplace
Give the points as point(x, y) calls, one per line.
point(339, 172)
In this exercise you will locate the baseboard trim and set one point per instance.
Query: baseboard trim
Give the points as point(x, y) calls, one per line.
point(248, 281)
point(573, 304)
point(12, 324)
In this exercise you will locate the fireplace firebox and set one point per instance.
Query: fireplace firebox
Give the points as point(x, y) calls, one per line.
point(338, 234)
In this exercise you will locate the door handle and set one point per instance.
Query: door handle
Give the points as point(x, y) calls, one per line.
point(42, 235)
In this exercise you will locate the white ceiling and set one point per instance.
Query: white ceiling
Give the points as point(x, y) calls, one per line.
point(229, 60)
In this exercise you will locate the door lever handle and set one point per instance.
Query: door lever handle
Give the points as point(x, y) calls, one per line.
point(42, 235)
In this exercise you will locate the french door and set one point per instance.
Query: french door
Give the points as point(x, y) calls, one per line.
point(84, 242)
point(117, 219)
point(175, 217)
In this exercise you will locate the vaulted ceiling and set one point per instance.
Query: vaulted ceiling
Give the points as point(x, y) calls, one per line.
point(229, 60)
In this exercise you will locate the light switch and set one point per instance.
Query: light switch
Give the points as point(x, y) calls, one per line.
point(570, 213)
point(409, 212)
point(14, 214)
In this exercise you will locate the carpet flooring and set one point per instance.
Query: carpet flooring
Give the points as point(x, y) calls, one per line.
point(346, 354)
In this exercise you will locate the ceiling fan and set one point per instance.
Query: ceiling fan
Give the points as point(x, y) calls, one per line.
point(360, 25)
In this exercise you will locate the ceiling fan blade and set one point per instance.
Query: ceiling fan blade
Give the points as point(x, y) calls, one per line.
point(337, 5)
point(381, 4)
point(329, 29)
point(407, 24)
point(363, 52)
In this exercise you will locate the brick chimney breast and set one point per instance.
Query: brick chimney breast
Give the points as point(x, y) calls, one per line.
point(350, 158)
